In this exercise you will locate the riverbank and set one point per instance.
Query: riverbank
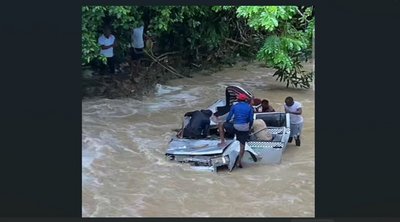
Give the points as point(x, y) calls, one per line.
point(122, 86)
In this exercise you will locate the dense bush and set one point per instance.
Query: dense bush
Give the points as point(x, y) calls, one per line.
point(280, 36)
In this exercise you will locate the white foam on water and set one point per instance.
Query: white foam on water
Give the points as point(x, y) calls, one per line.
point(167, 101)
point(133, 136)
point(119, 108)
point(151, 150)
point(159, 106)
point(91, 150)
point(164, 89)
point(100, 201)
point(291, 198)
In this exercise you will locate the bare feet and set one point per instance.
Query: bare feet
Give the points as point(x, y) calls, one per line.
point(237, 163)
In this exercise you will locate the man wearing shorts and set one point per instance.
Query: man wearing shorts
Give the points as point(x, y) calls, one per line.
point(294, 108)
point(242, 113)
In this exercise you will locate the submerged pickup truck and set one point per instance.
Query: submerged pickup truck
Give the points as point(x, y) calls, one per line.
point(205, 154)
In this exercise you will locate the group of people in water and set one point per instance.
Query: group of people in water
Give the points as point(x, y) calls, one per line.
point(244, 126)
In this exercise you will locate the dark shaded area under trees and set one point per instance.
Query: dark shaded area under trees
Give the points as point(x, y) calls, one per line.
point(186, 39)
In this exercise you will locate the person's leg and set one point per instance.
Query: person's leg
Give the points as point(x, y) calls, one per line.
point(242, 136)
point(111, 64)
point(133, 68)
point(138, 67)
point(133, 63)
point(139, 56)
point(241, 153)
point(228, 129)
point(292, 132)
point(180, 134)
point(221, 134)
point(102, 68)
point(299, 130)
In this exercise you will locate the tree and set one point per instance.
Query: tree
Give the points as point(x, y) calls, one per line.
point(290, 33)
point(280, 36)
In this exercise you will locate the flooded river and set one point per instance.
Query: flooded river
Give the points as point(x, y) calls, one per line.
point(125, 172)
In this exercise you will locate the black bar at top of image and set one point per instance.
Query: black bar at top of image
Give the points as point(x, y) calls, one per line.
point(199, 2)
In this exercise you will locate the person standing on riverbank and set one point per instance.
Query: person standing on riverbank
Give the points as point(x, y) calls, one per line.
point(107, 43)
point(137, 49)
point(242, 123)
point(294, 108)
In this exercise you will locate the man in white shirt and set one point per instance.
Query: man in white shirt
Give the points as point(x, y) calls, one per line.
point(107, 43)
point(137, 49)
point(294, 108)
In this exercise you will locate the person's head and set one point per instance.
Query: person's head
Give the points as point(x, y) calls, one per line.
point(242, 97)
point(265, 103)
point(289, 101)
point(255, 102)
point(207, 112)
point(107, 31)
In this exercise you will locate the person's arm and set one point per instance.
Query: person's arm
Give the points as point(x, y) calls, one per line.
point(272, 109)
point(132, 37)
point(106, 47)
point(228, 118)
point(103, 46)
point(286, 109)
point(297, 112)
point(115, 44)
point(251, 118)
point(206, 130)
point(189, 113)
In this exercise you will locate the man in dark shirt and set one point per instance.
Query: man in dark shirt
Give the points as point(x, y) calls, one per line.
point(199, 124)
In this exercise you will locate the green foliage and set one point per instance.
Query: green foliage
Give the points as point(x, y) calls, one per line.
point(92, 17)
point(290, 33)
point(195, 27)
point(266, 17)
point(282, 35)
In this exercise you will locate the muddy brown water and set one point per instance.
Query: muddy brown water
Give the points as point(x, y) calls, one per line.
point(125, 172)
